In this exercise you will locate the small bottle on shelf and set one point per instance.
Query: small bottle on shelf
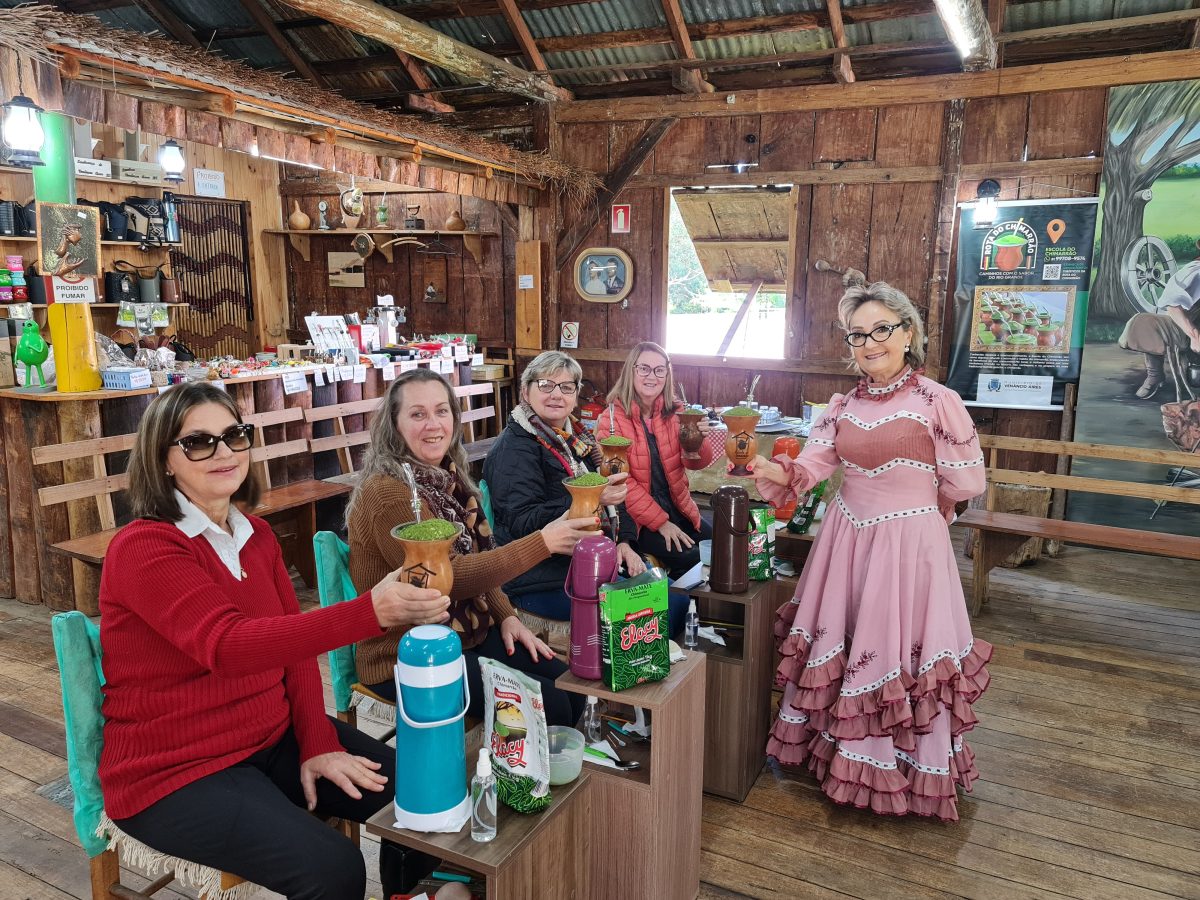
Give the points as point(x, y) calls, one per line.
point(483, 799)
point(691, 628)
point(591, 720)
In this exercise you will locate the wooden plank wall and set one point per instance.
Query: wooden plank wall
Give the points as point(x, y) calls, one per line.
point(480, 297)
point(886, 228)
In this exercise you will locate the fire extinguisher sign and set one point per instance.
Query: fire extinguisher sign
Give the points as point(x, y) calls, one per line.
point(570, 336)
point(620, 218)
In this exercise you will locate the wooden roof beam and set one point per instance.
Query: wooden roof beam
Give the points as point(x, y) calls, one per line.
point(597, 212)
point(968, 28)
point(687, 81)
point(420, 78)
point(520, 31)
point(843, 72)
point(264, 20)
point(170, 23)
point(409, 36)
point(996, 10)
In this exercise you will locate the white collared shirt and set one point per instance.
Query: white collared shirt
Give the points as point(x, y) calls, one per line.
point(228, 546)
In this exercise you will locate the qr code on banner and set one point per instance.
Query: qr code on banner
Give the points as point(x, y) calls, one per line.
point(1051, 271)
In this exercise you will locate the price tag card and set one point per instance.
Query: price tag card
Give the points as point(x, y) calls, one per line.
point(447, 350)
point(294, 382)
point(217, 383)
point(360, 374)
point(346, 373)
point(460, 352)
point(447, 367)
point(407, 365)
point(331, 373)
point(318, 377)
point(389, 372)
point(477, 359)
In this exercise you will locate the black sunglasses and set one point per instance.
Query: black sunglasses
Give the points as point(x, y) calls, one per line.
point(201, 446)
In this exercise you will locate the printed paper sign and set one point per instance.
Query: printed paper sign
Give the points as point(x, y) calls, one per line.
point(570, 336)
point(525, 282)
point(346, 373)
point(331, 373)
point(407, 365)
point(447, 350)
point(360, 374)
point(65, 291)
point(318, 377)
point(208, 182)
point(460, 352)
point(620, 218)
point(477, 359)
point(1015, 391)
point(389, 372)
point(294, 382)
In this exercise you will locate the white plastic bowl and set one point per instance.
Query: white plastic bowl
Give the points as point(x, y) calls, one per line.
point(566, 753)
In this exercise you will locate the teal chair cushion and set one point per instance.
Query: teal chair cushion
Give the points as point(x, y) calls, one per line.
point(77, 648)
point(334, 586)
point(486, 503)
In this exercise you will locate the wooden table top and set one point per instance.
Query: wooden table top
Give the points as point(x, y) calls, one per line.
point(652, 695)
point(513, 831)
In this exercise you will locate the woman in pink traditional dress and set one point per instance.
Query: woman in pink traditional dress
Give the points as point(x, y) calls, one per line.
point(880, 669)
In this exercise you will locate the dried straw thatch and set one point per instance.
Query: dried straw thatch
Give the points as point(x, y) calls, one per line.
point(34, 30)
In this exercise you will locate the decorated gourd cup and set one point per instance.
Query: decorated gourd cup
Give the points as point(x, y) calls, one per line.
point(615, 452)
point(741, 446)
point(427, 553)
point(585, 493)
point(691, 438)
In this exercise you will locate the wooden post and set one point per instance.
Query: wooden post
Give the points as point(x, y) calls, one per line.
point(529, 299)
point(80, 421)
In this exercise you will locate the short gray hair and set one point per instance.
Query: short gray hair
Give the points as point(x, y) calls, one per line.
point(897, 302)
point(547, 363)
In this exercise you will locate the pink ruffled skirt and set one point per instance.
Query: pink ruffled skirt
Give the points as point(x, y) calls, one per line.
point(880, 670)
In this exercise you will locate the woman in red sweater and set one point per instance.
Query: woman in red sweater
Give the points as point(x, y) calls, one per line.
point(216, 743)
point(643, 407)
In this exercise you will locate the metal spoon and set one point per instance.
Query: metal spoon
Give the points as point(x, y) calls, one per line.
point(415, 502)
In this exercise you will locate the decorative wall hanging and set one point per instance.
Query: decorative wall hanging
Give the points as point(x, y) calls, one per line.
point(603, 274)
point(69, 240)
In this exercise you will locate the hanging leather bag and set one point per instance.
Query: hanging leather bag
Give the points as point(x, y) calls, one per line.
point(25, 219)
point(120, 287)
point(145, 279)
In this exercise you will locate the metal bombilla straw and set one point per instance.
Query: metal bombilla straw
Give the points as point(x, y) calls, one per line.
point(610, 509)
point(415, 502)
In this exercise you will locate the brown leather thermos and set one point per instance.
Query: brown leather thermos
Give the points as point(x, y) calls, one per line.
point(729, 573)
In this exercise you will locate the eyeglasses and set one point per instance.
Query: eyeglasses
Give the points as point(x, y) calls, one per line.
point(878, 335)
point(201, 446)
point(657, 371)
point(567, 388)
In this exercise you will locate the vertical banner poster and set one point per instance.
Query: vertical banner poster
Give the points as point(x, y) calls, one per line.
point(1021, 302)
point(1140, 385)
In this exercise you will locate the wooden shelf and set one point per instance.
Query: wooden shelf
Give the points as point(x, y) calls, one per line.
point(21, 170)
point(95, 305)
point(132, 244)
point(300, 239)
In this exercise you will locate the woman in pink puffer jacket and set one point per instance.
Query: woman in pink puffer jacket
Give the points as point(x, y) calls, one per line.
point(642, 408)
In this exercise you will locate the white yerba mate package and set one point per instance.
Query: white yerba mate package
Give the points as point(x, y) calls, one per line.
point(514, 729)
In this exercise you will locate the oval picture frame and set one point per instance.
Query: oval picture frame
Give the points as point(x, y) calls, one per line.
point(603, 274)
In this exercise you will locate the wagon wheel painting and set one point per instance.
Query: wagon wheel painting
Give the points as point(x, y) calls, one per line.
point(1146, 267)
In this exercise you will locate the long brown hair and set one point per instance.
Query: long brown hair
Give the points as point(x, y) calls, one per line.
point(623, 391)
point(388, 451)
point(151, 489)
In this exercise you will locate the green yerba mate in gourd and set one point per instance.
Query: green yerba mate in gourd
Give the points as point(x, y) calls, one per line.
point(514, 730)
point(429, 530)
point(615, 440)
point(591, 479)
point(741, 411)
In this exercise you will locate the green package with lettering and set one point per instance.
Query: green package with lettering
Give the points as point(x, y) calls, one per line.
point(634, 642)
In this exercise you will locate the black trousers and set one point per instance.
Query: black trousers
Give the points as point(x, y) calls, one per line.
point(562, 707)
point(251, 820)
point(677, 562)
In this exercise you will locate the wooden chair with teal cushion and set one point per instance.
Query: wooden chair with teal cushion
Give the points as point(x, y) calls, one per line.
point(334, 586)
point(77, 648)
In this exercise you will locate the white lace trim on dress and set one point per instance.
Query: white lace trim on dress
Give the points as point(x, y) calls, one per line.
point(946, 654)
point(821, 660)
point(886, 517)
point(964, 464)
point(887, 466)
point(900, 381)
point(895, 673)
point(900, 414)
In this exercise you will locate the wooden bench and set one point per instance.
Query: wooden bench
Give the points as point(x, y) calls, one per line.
point(298, 499)
point(1001, 533)
point(343, 440)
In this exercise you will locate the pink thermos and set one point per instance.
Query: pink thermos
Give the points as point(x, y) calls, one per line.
point(593, 563)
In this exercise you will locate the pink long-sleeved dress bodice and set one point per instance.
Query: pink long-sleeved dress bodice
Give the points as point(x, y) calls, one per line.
point(879, 666)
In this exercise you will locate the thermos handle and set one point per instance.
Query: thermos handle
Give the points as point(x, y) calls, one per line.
point(466, 702)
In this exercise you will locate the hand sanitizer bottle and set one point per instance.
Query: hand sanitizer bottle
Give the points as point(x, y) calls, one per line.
point(483, 799)
point(691, 626)
point(591, 721)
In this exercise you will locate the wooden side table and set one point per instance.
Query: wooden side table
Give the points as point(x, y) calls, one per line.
point(533, 857)
point(644, 826)
point(737, 709)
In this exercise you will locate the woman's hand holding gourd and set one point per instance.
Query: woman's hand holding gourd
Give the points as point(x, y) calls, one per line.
point(563, 534)
point(615, 493)
point(765, 470)
point(399, 603)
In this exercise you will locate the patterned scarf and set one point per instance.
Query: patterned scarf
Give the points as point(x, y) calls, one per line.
point(576, 449)
point(444, 492)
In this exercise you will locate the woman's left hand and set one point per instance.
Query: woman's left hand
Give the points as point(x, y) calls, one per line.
point(513, 631)
point(342, 769)
point(634, 564)
point(705, 425)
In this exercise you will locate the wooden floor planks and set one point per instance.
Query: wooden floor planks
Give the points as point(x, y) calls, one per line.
point(1088, 750)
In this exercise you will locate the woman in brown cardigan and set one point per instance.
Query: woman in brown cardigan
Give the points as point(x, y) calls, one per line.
point(419, 424)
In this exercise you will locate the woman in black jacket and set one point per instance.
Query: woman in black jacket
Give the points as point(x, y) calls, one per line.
point(541, 445)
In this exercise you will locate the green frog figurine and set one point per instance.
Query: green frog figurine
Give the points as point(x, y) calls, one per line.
point(32, 350)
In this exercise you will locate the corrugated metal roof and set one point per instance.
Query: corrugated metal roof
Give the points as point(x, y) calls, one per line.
point(1026, 16)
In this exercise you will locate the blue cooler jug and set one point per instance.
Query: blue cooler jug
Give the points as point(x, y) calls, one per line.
point(431, 699)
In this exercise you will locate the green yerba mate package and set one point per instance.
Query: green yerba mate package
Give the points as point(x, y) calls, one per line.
point(634, 635)
point(514, 729)
point(762, 543)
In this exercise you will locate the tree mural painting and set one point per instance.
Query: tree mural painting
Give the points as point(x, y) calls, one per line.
point(1151, 128)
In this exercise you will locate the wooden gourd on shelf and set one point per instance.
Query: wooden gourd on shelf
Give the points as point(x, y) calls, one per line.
point(299, 220)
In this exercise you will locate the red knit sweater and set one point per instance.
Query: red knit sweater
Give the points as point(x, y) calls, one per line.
point(203, 670)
